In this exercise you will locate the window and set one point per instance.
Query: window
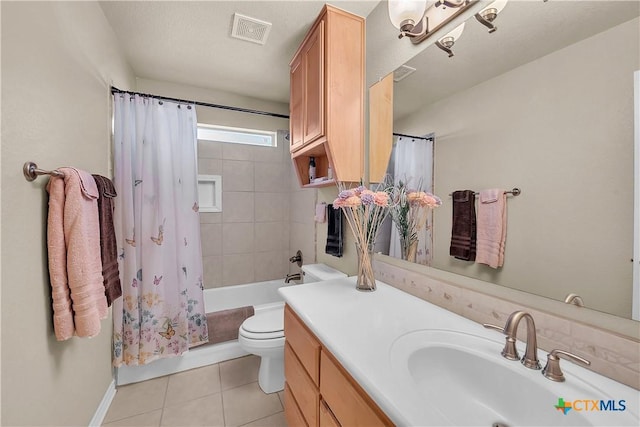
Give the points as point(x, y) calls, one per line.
point(236, 135)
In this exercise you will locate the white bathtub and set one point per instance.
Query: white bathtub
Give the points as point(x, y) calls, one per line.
point(260, 295)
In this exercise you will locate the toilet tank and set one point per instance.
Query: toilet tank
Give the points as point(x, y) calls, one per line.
point(319, 272)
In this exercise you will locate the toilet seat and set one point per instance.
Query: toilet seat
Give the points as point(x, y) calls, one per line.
point(265, 325)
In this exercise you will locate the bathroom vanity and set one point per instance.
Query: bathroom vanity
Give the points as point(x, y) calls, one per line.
point(318, 390)
point(388, 358)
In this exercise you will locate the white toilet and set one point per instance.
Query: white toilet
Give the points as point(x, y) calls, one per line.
point(263, 333)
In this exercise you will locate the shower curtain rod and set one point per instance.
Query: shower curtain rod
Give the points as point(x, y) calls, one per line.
point(203, 104)
point(429, 138)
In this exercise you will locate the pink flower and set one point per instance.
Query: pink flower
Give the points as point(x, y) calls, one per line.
point(381, 198)
point(338, 203)
point(415, 196)
point(423, 199)
point(359, 190)
point(367, 197)
point(352, 201)
point(345, 194)
point(431, 200)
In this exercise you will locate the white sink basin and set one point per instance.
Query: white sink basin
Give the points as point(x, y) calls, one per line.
point(465, 381)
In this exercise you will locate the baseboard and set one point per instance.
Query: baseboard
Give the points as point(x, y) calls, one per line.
point(196, 358)
point(101, 412)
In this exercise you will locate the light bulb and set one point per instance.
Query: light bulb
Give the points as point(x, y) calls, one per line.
point(401, 11)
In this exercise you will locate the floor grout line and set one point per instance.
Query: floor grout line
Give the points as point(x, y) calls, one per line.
point(221, 391)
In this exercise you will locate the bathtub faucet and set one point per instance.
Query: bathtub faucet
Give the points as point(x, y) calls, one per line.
point(290, 277)
point(297, 258)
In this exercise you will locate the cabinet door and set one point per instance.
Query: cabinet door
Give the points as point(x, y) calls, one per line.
point(302, 388)
point(327, 419)
point(291, 410)
point(314, 85)
point(296, 105)
point(351, 406)
point(380, 127)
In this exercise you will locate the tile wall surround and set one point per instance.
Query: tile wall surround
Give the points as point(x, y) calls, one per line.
point(612, 355)
point(265, 217)
point(302, 232)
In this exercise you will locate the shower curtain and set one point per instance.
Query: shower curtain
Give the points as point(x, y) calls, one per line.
point(414, 165)
point(161, 311)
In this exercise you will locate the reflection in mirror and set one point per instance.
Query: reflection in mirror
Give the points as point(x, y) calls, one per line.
point(411, 171)
point(545, 103)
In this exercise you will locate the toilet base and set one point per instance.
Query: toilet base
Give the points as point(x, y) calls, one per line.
point(271, 374)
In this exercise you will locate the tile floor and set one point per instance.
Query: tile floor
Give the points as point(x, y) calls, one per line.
point(224, 394)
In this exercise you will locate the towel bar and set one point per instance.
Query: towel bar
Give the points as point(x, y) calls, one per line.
point(515, 191)
point(31, 171)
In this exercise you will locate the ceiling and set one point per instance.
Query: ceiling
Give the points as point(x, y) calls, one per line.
point(189, 42)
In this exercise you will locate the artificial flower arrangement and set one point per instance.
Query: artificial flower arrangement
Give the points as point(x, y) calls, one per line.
point(409, 214)
point(365, 210)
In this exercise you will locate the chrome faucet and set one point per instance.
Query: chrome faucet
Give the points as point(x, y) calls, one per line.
point(294, 276)
point(530, 359)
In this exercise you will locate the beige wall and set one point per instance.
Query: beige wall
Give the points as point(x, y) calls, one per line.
point(58, 61)
point(561, 129)
point(303, 227)
point(265, 215)
point(348, 263)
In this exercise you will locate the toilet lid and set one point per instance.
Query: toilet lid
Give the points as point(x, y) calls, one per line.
point(264, 322)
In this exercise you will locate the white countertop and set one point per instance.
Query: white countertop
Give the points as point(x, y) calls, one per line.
point(359, 329)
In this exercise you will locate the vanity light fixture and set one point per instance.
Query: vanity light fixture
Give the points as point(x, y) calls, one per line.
point(487, 15)
point(406, 14)
point(447, 42)
point(419, 19)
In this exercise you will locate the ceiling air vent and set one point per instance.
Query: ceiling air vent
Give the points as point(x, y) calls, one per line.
point(401, 72)
point(250, 29)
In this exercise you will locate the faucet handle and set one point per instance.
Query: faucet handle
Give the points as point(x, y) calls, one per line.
point(494, 327)
point(552, 370)
point(509, 351)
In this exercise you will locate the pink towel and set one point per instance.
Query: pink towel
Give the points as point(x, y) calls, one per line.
point(75, 269)
point(491, 227)
point(321, 212)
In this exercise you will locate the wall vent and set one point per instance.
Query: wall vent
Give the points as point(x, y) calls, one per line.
point(401, 72)
point(250, 29)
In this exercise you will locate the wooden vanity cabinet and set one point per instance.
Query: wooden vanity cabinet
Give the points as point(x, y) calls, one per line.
point(318, 391)
point(326, 104)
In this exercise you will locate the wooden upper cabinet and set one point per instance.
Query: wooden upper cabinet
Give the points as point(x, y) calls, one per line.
point(306, 102)
point(380, 127)
point(327, 99)
point(314, 86)
point(296, 105)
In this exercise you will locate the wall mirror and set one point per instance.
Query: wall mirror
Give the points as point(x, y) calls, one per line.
point(545, 103)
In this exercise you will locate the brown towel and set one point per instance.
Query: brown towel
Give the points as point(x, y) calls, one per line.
point(108, 246)
point(223, 325)
point(463, 230)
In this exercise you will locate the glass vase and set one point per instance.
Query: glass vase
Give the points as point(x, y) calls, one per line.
point(408, 249)
point(366, 281)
